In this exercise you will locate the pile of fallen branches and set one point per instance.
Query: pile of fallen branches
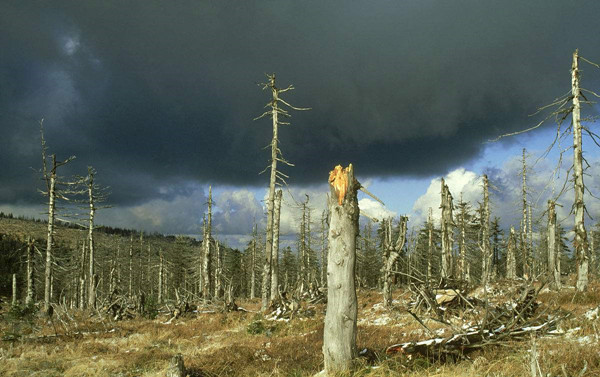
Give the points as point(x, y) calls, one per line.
point(494, 324)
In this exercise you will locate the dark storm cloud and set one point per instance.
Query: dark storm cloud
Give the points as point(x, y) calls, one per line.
point(157, 94)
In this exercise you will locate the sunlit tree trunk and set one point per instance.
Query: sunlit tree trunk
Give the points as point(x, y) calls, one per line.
point(30, 273)
point(447, 241)
point(206, 244)
point(553, 267)
point(275, 250)
point(581, 242)
point(511, 263)
point(50, 237)
point(339, 334)
point(392, 253)
point(485, 242)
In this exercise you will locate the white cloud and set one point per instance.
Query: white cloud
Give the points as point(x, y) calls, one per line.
point(374, 209)
point(459, 181)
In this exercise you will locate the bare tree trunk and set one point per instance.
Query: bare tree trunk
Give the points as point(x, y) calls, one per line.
point(525, 252)
point(324, 248)
point(50, 237)
point(430, 245)
point(447, 241)
point(253, 266)
point(275, 251)
point(339, 335)
point(82, 276)
point(131, 266)
point(581, 242)
point(14, 289)
point(160, 277)
point(308, 236)
point(30, 272)
point(302, 251)
point(511, 263)
point(271, 198)
point(218, 271)
point(392, 253)
point(92, 288)
point(486, 247)
point(206, 244)
point(553, 267)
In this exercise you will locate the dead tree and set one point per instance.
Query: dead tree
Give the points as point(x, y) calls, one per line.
point(275, 250)
point(525, 252)
point(253, 264)
point(486, 248)
point(581, 242)
point(276, 108)
point(511, 262)
point(161, 271)
point(447, 224)
point(206, 246)
point(430, 244)
point(391, 253)
point(30, 297)
point(553, 258)
point(82, 258)
point(14, 289)
point(56, 189)
point(218, 271)
point(570, 104)
point(463, 263)
point(339, 335)
point(324, 228)
point(96, 195)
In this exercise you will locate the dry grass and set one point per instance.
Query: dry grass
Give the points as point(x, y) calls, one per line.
point(220, 345)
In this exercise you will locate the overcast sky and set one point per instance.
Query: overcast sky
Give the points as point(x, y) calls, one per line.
point(159, 97)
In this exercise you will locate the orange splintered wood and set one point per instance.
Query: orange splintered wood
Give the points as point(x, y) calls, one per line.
point(338, 178)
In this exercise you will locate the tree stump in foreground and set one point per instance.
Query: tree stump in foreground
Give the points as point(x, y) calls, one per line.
point(339, 337)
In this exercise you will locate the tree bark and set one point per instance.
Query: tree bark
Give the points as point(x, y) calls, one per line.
point(253, 265)
point(50, 236)
point(323, 248)
point(339, 335)
point(206, 245)
point(392, 253)
point(30, 273)
point(92, 288)
point(581, 242)
point(486, 247)
point(275, 250)
point(218, 271)
point(511, 263)
point(447, 241)
point(160, 277)
point(524, 245)
point(553, 267)
point(271, 198)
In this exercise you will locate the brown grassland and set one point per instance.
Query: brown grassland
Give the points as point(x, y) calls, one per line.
point(245, 344)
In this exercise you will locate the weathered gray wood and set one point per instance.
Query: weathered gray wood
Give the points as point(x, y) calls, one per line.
point(485, 242)
point(29, 298)
point(553, 266)
point(206, 246)
point(525, 252)
point(339, 335)
point(275, 249)
point(392, 252)
point(511, 262)
point(580, 242)
point(447, 241)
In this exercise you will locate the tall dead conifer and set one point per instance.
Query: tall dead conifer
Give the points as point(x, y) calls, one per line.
point(275, 109)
